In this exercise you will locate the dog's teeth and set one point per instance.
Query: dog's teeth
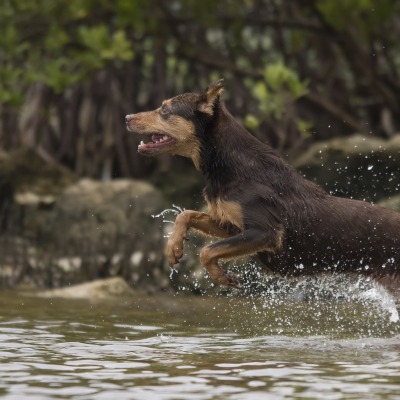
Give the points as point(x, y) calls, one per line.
point(165, 137)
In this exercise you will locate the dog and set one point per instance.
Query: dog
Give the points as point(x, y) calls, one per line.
point(260, 205)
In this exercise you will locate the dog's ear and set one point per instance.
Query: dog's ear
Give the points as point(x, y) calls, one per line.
point(211, 97)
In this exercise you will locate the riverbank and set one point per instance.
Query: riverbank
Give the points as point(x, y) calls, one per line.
point(58, 230)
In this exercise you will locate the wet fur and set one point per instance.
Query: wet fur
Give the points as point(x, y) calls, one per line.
point(258, 204)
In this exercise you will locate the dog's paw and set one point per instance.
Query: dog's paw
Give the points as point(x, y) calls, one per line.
point(174, 251)
point(229, 279)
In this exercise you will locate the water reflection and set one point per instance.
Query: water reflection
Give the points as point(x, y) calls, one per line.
point(163, 347)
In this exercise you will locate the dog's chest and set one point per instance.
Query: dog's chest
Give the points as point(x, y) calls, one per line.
point(226, 212)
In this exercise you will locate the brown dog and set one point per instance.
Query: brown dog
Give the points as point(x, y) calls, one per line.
point(258, 204)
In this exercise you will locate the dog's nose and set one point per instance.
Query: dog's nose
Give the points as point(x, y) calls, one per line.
point(128, 118)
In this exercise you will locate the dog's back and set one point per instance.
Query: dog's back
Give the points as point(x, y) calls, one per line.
point(341, 235)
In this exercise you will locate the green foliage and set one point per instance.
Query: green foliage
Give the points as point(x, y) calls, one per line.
point(251, 122)
point(304, 127)
point(281, 78)
point(57, 74)
point(184, 43)
point(280, 85)
point(55, 43)
point(62, 42)
point(366, 16)
point(106, 46)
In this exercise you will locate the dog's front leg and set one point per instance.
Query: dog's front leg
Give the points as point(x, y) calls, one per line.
point(247, 242)
point(190, 219)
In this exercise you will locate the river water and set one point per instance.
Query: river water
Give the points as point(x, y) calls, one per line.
point(168, 346)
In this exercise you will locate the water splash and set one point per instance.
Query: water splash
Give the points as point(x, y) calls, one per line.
point(333, 305)
point(175, 210)
point(325, 304)
point(379, 295)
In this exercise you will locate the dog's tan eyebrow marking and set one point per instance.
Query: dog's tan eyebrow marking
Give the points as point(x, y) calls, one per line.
point(166, 102)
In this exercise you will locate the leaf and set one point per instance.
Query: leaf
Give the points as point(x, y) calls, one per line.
point(58, 74)
point(251, 122)
point(260, 91)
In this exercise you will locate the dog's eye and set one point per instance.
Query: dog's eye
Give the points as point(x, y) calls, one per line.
point(164, 111)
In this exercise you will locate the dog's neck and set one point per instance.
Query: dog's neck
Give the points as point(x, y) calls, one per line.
point(231, 158)
point(225, 147)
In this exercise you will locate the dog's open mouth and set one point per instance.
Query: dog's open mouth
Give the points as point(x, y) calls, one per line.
point(158, 141)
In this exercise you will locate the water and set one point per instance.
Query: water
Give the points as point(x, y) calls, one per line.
point(184, 347)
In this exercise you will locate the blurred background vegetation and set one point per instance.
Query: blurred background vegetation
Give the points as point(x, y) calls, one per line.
point(295, 72)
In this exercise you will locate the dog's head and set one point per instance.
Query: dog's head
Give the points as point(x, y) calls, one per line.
point(172, 127)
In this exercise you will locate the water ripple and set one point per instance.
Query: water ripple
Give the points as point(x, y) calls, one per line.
point(99, 353)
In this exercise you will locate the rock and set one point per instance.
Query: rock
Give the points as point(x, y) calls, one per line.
point(99, 229)
point(14, 253)
point(95, 290)
point(24, 171)
point(75, 231)
point(29, 186)
point(359, 167)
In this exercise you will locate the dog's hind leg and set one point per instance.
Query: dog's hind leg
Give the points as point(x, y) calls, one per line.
point(247, 242)
point(200, 221)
